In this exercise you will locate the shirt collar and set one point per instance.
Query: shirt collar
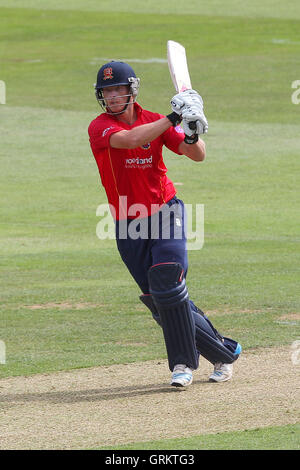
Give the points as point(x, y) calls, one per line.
point(138, 109)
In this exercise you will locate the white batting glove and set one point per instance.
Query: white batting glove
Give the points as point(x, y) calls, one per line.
point(185, 100)
point(194, 122)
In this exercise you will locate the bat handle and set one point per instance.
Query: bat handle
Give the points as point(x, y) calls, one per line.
point(192, 125)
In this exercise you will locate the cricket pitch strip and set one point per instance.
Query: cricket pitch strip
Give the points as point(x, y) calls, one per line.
point(111, 405)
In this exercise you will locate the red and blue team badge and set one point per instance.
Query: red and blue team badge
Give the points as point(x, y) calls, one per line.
point(146, 146)
point(108, 73)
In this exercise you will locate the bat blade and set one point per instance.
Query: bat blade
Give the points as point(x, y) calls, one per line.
point(178, 66)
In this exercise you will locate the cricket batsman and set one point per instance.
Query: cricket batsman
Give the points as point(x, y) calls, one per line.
point(127, 142)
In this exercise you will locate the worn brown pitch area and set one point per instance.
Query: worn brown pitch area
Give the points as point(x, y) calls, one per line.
point(93, 407)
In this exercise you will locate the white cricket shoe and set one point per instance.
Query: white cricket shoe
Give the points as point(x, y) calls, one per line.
point(222, 372)
point(182, 376)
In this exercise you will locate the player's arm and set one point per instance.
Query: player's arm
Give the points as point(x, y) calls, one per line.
point(140, 135)
point(195, 151)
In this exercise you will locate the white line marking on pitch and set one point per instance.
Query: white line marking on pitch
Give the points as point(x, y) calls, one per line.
point(33, 61)
point(152, 60)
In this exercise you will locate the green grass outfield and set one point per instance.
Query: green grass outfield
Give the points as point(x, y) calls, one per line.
point(66, 299)
point(270, 438)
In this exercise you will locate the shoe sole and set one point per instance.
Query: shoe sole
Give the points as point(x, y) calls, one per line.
point(219, 381)
point(178, 384)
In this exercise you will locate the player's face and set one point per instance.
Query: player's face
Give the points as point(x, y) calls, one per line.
point(116, 97)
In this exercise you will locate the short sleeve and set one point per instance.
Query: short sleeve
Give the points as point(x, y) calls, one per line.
point(100, 132)
point(173, 138)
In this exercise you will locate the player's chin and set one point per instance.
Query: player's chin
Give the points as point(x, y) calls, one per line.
point(115, 108)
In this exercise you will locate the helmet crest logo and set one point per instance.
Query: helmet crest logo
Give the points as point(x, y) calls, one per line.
point(108, 73)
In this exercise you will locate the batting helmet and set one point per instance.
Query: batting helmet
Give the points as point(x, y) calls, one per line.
point(116, 73)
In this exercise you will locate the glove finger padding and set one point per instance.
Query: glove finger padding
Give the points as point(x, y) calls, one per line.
point(201, 126)
point(193, 112)
point(185, 100)
point(177, 104)
point(191, 95)
point(193, 115)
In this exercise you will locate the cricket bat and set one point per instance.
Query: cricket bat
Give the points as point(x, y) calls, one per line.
point(178, 66)
point(179, 69)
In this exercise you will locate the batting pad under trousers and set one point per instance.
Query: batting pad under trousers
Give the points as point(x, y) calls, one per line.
point(159, 266)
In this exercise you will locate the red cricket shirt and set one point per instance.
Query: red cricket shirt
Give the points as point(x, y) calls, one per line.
point(133, 176)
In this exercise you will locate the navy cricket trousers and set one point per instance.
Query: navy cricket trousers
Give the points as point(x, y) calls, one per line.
point(161, 239)
point(167, 245)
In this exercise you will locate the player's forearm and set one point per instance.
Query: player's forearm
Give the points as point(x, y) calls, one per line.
point(195, 151)
point(139, 135)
